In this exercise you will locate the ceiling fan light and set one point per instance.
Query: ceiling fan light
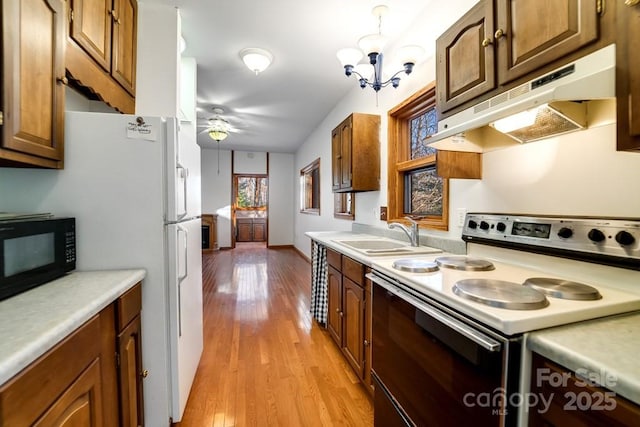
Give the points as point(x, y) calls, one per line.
point(256, 59)
point(218, 134)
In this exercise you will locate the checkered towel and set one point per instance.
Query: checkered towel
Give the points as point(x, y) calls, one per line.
point(319, 272)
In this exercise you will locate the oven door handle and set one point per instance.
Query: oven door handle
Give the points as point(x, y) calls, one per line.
point(475, 336)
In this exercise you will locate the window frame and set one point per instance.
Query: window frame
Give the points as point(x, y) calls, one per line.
point(304, 172)
point(399, 158)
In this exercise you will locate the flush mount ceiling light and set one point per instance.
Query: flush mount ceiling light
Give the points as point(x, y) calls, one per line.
point(371, 46)
point(218, 127)
point(256, 59)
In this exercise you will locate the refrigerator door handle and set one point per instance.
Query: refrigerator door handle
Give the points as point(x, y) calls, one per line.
point(184, 250)
point(184, 276)
point(184, 174)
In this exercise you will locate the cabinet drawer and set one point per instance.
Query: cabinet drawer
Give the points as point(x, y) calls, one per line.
point(129, 306)
point(334, 259)
point(24, 398)
point(353, 270)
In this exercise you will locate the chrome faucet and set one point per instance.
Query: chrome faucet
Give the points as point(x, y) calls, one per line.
point(412, 233)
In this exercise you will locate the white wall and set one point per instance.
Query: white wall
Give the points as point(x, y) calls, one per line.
point(281, 189)
point(576, 174)
point(216, 191)
point(249, 162)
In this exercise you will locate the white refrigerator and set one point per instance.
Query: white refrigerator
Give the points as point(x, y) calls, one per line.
point(133, 184)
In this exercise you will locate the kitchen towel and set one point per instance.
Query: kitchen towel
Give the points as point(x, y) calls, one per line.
point(319, 272)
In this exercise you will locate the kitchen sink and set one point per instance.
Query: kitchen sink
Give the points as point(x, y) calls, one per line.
point(380, 247)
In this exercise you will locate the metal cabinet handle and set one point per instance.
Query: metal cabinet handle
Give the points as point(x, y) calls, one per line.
point(341, 314)
point(144, 373)
point(486, 42)
point(499, 33)
point(366, 343)
point(62, 80)
point(631, 2)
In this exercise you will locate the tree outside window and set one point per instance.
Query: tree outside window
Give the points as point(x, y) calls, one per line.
point(252, 192)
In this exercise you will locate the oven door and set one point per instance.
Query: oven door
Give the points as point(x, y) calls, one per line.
point(434, 368)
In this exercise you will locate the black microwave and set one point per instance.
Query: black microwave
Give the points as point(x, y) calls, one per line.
point(35, 251)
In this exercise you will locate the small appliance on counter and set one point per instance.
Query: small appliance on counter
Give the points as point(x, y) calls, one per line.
point(34, 249)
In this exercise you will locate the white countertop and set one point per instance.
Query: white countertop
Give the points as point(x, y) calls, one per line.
point(34, 321)
point(607, 348)
point(329, 238)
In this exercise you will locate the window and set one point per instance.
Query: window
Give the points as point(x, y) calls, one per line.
point(344, 206)
point(251, 192)
point(310, 188)
point(415, 189)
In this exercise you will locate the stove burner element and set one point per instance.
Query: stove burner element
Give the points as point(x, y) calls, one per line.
point(415, 265)
point(501, 294)
point(464, 263)
point(563, 289)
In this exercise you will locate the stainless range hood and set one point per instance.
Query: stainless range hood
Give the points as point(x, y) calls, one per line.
point(565, 95)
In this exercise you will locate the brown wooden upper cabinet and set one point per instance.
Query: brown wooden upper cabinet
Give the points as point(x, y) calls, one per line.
point(106, 30)
point(628, 76)
point(355, 154)
point(498, 41)
point(32, 90)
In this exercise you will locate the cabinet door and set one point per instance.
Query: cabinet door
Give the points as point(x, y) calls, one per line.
point(245, 229)
point(535, 33)
point(465, 65)
point(353, 308)
point(334, 295)
point(335, 159)
point(259, 230)
point(345, 155)
point(368, 326)
point(32, 97)
point(80, 404)
point(124, 43)
point(130, 375)
point(633, 39)
point(91, 29)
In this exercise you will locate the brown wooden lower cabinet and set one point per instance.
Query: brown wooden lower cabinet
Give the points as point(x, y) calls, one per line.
point(251, 230)
point(349, 312)
point(79, 382)
point(574, 400)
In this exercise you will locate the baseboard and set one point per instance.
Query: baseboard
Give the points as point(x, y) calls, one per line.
point(302, 254)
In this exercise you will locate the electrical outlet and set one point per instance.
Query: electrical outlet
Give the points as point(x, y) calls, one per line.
point(383, 213)
point(462, 212)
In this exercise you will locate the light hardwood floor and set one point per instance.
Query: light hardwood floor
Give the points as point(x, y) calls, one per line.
point(265, 362)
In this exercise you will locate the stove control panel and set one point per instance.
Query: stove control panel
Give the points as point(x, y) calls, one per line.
point(595, 237)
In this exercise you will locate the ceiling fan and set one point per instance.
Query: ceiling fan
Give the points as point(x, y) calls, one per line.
point(217, 127)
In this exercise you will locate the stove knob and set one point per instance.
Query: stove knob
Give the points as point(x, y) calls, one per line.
point(501, 226)
point(625, 238)
point(565, 232)
point(484, 225)
point(596, 235)
point(473, 224)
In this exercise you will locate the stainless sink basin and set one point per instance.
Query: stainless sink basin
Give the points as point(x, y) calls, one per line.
point(380, 247)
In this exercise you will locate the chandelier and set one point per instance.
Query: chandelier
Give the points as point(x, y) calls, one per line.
point(371, 46)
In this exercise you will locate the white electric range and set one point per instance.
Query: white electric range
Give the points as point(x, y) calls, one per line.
point(448, 330)
point(617, 288)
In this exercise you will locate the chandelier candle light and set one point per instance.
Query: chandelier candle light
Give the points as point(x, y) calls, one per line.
point(372, 46)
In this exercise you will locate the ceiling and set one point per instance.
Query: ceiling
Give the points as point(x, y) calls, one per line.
point(279, 108)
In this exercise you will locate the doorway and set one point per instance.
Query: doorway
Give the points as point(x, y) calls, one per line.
point(249, 210)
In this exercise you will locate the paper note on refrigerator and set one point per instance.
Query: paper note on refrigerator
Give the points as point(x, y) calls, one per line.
point(141, 130)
